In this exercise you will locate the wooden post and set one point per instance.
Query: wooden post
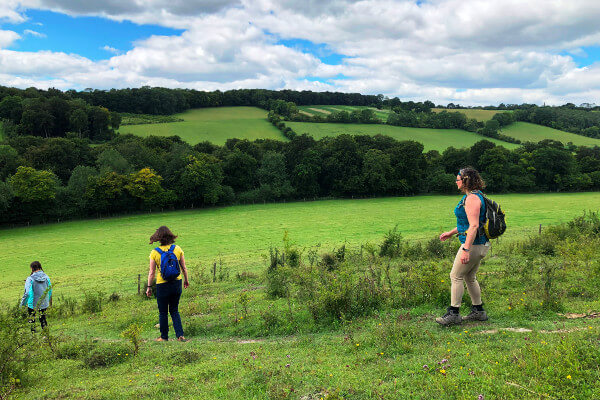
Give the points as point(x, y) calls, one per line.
point(214, 271)
point(139, 283)
point(540, 231)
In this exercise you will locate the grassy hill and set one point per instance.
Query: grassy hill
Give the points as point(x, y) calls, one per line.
point(432, 139)
point(526, 132)
point(479, 115)
point(215, 125)
point(239, 235)
point(246, 344)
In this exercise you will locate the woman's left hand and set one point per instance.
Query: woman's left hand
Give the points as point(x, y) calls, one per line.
point(465, 257)
point(186, 284)
point(149, 291)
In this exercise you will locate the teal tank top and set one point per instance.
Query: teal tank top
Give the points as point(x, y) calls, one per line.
point(462, 222)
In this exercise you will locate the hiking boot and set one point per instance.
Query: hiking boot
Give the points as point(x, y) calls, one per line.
point(476, 315)
point(452, 317)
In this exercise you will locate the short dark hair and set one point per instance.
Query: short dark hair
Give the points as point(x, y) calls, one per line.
point(36, 266)
point(471, 179)
point(164, 236)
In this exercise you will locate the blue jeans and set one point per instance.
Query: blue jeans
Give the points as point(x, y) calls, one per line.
point(167, 297)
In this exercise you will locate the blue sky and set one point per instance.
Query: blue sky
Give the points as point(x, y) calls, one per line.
point(85, 36)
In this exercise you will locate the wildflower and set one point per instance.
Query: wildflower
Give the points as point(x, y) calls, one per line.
point(287, 365)
point(568, 376)
point(522, 299)
point(357, 344)
point(467, 354)
point(443, 371)
point(156, 374)
point(509, 307)
point(330, 374)
point(380, 354)
point(471, 373)
point(425, 367)
point(480, 397)
point(442, 281)
point(214, 358)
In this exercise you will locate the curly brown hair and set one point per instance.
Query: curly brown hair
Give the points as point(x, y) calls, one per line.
point(471, 179)
point(164, 236)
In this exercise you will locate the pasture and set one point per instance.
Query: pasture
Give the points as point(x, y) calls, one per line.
point(324, 110)
point(215, 125)
point(527, 132)
point(246, 344)
point(479, 115)
point(432, 139)
point(110, 252)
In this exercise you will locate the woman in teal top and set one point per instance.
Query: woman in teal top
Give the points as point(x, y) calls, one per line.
point(470, 215)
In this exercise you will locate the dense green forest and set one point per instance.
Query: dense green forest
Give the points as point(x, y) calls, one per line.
point(94, 114)
point(44, 179)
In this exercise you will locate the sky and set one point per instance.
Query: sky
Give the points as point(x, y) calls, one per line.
point(471, 52)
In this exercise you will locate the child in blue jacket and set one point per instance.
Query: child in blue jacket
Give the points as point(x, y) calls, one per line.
point(38, 294)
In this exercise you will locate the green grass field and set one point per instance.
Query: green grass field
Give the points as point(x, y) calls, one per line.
point(432, 139)
point(479, 115)
point(239, 235)
point(527, 132)
point(324, 110)
point(215, 125)
point(245, 345)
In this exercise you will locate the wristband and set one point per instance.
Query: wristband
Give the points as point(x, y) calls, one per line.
point(467, 250)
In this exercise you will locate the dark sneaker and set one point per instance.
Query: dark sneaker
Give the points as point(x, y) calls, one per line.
point(476, 315)
point(450, 318)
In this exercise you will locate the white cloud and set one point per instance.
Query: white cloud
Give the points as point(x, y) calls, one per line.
point(467, 51)
point(111, 49)
point(34, 33)
point(7, 38)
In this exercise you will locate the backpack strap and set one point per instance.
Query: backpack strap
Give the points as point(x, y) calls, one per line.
point(172, 248)
point(159, 251)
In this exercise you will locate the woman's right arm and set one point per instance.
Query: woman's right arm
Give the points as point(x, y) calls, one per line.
point(447, 235)
point(151, 272)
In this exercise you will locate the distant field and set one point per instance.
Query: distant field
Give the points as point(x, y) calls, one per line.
point(527, 132)
point(479, 115)
point(108, 254)
point(215, 125)
point(324, 110)
point(432, 139)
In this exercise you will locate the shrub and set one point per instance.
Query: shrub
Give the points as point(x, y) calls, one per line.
point(16, 349)
point(133, 333)
point(92, 303)
point(73, 349)
point(104, 355)
point(65, 306)
point(114, 297)
point(392, 244)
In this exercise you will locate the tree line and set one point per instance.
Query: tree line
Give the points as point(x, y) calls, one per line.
point(408, 114)
point(45, 179)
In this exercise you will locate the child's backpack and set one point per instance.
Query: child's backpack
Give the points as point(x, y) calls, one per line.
point(495, 223)
point(169, 264)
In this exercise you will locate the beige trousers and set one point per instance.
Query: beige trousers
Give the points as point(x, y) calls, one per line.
point(466, 273)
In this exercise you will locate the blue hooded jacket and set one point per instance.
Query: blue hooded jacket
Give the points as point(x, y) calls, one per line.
point(38, 291)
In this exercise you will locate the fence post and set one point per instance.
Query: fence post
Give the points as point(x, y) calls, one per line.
point(214, 271)
point(139, 283)
point(540, 231)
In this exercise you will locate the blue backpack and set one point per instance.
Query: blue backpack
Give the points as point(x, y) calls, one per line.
point(169, 264)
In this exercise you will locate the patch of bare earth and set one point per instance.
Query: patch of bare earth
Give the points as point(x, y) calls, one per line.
point(320, 110)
